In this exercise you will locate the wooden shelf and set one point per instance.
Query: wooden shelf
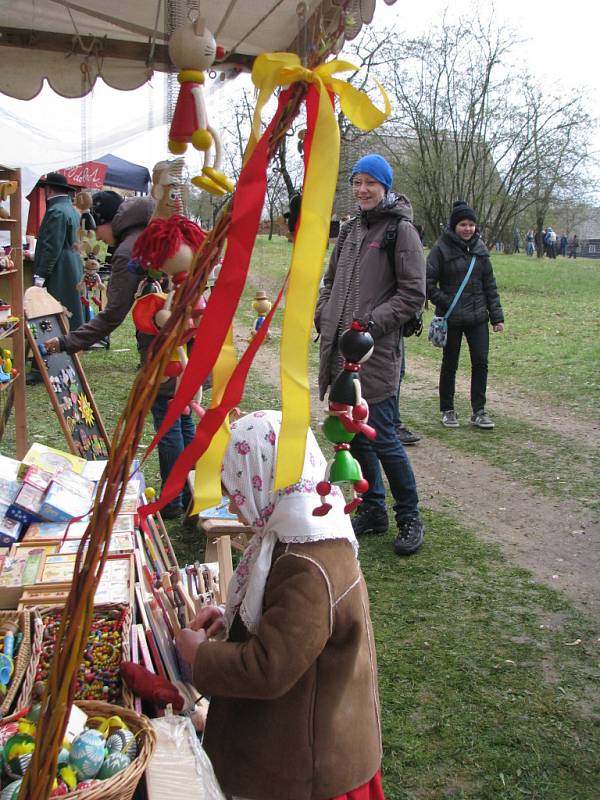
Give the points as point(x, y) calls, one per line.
point(16, 291)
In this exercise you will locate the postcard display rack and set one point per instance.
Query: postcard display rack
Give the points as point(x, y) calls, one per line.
point(12, 343)
point(143, 599)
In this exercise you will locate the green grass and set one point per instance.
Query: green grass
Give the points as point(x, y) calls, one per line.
point(483, 695)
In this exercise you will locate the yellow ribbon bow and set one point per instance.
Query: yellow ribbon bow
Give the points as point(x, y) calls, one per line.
point(312, 236)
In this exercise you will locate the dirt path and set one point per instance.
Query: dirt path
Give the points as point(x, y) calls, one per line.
point(424, 378)
point(557, 541)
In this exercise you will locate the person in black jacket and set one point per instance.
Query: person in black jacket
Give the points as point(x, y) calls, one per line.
point(447, 265)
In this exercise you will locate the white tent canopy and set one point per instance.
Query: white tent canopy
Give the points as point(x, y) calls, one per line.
point(71, 44)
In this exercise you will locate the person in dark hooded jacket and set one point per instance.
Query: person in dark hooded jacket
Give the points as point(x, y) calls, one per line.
point(119, 222)
point(478, 305)
point(361, 282)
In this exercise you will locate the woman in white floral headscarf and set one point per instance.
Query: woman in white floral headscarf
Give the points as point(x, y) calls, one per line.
point(294, 711)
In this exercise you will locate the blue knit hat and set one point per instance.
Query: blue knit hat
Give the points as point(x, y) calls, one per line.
point(375, 166)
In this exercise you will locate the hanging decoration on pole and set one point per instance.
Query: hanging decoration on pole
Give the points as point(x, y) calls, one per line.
point(348, 415)
point(192, 49)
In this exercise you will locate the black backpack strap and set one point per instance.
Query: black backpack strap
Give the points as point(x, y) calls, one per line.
point(389, 243)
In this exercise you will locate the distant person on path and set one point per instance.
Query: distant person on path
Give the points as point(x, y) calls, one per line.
point(479, 304)
point(517, 242)
point(57, 264)
point(563, 245)
point(550, 242)
point(573, 246)
point(360, 282)
point(531, 242)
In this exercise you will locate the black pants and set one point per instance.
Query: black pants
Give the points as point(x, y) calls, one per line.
point(478, 339)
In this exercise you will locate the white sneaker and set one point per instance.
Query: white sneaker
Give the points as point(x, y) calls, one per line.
point(449, 419)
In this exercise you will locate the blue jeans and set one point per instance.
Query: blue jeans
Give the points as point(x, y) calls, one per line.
point(386, 449)
point(172, 444)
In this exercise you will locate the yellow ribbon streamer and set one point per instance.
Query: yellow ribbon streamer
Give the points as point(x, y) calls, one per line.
point(282, 69)
point(207, 481)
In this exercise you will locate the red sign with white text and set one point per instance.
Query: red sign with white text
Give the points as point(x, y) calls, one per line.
point(89, 175)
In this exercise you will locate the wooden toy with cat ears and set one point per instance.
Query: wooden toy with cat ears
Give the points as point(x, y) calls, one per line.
point(192, 49)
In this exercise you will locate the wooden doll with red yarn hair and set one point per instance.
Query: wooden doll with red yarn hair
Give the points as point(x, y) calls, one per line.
point(167, 248)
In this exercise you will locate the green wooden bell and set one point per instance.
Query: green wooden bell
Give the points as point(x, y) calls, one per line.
point(335, 432)
point(344, 468)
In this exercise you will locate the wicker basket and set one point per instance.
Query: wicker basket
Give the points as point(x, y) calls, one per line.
point(121, 786)
point(23, 620)
point(36, 646)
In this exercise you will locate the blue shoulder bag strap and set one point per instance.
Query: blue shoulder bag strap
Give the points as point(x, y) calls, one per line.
point(460, 288)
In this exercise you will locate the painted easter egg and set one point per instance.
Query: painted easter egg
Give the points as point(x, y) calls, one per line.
point(60, 790)
point(113, 763)
point(88, 784)
point(8, 730)
point(11, 791)
point(63, 757)
point(17, 766)
point(87, 753)
point(18, 745)
point(123, 741)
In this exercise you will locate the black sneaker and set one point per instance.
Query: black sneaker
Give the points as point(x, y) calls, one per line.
point(481, 420)
point(406, 436)
point(410, 536)
point(370, 519)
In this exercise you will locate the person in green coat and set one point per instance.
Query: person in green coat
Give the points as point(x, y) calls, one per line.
point(57, 264)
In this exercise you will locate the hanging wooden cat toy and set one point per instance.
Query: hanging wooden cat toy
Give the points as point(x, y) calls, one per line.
point(192, 49)
point(348, 415)
point(167, 248)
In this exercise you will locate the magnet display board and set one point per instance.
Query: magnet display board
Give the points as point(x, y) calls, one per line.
point(67, 386)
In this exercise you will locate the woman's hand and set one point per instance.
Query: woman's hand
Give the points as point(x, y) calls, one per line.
point(210, 620)
point(187, 642)
point(498, 327)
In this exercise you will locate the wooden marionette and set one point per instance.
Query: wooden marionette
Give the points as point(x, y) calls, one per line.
point(261, 306)
point(348, 415)
point(192, 49)
point(168, 188)
point(168, 247)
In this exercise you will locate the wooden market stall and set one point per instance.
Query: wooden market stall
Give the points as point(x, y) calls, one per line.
point(72, 586)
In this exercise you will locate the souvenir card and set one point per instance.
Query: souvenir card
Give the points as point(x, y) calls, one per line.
point(218, 512)
point(75, 483)
point(133, 489)
point(116, 583)
point(9, 489)
point(44, 531)
point(51, 595)
point(10, 531)
point(129, 505)
point(58, 569)
point(51, 460)
point(61, 504)
point(21, 550)
point(12, 572)
point(94, 470)
point(33, 567)
point(9, 468)
point(119, 543)
point(123, 523)
point(26, 506)
point(40, 478)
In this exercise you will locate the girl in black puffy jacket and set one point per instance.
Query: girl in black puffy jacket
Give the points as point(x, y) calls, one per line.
point(447, 265)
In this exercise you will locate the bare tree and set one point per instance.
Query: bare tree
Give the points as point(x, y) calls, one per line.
point(465, 127)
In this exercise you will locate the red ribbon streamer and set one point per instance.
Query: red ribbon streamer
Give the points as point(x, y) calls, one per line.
point(212, 420)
